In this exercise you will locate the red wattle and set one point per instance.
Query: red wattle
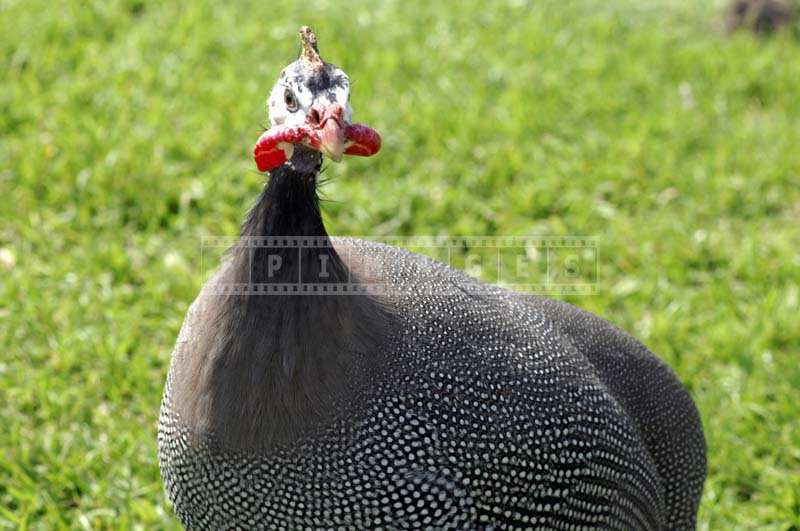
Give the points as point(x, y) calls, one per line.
point(268, 160)
point(267, 152)
point(362, 140)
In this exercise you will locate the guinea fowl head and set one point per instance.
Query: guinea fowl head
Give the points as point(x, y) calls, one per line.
point(310, 114)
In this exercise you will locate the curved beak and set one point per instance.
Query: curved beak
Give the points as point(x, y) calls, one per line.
point(331, 139)
point(328, 125)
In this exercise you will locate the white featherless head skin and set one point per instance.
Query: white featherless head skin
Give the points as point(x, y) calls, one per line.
point(306, 82)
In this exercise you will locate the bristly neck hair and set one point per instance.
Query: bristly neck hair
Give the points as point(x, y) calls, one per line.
point(289, 206)
point(266, 369)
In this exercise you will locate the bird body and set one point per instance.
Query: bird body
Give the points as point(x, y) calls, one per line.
point(436, 403)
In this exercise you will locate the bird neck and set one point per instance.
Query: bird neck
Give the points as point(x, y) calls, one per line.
point(273, 367)
point(288, 207)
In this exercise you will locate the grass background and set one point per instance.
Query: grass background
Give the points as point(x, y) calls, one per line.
point(126, 130)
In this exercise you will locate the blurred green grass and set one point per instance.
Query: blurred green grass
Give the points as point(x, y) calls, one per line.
point(126, 132)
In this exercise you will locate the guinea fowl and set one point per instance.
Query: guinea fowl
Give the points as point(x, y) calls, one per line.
point(431, 404)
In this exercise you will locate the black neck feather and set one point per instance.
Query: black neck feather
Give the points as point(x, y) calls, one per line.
point(270, 368)
point(288, 207)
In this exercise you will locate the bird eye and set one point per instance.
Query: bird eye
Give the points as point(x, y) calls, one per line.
point(290, 100)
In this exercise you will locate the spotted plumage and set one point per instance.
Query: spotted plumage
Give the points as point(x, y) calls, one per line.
point(438, 403)
point(500, 409)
